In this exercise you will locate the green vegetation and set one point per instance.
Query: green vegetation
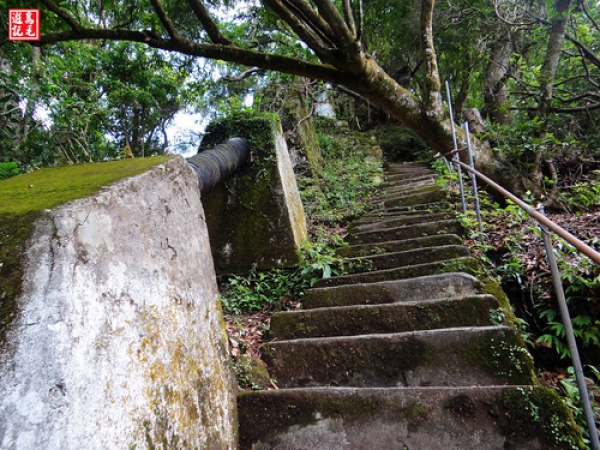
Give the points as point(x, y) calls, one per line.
point(8, 169)
point(260, 289)
point(511, 251)
point(352, 172)
point(350, 177)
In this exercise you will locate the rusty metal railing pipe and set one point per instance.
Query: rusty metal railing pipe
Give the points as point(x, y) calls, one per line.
point(217, 164)
point(570, 336)
point(574, 241)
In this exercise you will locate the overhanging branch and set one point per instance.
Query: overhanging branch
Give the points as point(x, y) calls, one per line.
point(212, 51)
point(211, 28)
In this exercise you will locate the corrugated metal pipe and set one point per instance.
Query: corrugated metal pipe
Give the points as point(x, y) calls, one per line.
point(218, 164)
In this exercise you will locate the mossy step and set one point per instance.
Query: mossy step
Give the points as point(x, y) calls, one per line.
point(378, 210)
point(398, 221)
point(409, 189)
point(407, 167)
point(409, 181)
point(378, 216)
point(385, 318)
point(466, 264)
point(405, 232)
point(393, 177)
point(423, 255)
point(463, 356)
point(417, 198)
point(418, 186)
point(385, 196)
point(432, 287)
point(380, 248)
point(434, 418)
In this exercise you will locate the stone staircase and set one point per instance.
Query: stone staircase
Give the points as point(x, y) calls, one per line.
point(405, 356)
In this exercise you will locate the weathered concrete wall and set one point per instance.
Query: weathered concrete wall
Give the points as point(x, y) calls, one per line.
point(118, 342)
point(256, 216)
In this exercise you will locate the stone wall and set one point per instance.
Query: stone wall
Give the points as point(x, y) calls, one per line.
point(118, 341)
point(256, 216)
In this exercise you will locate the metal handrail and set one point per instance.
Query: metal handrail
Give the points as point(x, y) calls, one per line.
point(546, 224)
point(574, 241)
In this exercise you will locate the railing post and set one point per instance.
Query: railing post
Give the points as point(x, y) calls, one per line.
point(570, 335)
point(472, 175)
point(456, 157)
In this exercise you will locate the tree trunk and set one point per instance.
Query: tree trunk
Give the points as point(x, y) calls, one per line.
point(494, 88)
point(555, 44)
point(536, 157)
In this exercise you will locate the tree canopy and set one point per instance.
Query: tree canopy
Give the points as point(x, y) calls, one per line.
point(522, 63)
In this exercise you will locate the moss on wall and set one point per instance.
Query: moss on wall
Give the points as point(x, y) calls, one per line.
point(249, 218)
point(24, 197)
point(257, 130)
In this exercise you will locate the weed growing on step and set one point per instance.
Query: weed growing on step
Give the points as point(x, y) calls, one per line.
point(264, 289)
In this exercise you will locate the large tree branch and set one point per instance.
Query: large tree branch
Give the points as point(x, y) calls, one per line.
point(337, 23)
point(313, 19)
point(208, 23)
point(66, 17)
point(349, 15)
point(304, 31)
point(164, 18)
point(212, 51)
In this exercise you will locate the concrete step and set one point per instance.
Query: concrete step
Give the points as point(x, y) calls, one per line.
point(446, 285)
point(424, 255)
point(408, 168)
point(386, 318)
point(405, 232)
point(466, 264)
point(408, 184)
point(448, 357)
point(379, 210)
point(430, 418)
point(354, 251)
point(408, 181)
point(382, 215)
point(405, 177)
point(411, 192)
point(410, 188)
point(413, 199)
point(399, 221)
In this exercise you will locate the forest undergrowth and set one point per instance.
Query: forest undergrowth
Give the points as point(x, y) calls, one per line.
point(512, 252)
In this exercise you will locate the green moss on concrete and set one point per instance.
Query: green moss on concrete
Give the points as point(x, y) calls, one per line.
point(503, 355)
point(272, 414)
point(24, 197)
point(247, 217)
point(369, 362)
point(467, 265)
point(14, 231)
point(540, 412)
point(390, 318)
point(48, 188)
